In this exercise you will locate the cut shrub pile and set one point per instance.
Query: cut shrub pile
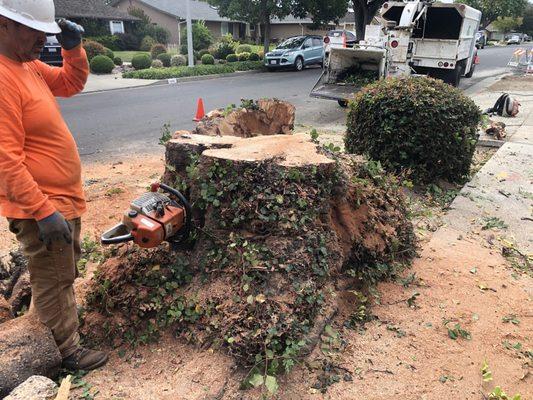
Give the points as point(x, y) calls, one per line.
point(198, 70)
point(418, 126)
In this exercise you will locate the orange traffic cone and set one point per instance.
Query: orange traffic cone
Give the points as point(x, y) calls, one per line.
point(200, 113)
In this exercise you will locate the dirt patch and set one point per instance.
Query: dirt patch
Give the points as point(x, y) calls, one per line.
point(522, 83)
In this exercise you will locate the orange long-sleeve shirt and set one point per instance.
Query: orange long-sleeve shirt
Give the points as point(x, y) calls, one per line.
point(40, 168)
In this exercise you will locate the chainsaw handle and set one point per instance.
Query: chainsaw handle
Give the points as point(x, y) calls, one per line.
point(112, 236)
point(188, 209)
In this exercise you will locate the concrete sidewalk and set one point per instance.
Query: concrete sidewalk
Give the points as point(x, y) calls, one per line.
point(98, 83)
point(502, 191)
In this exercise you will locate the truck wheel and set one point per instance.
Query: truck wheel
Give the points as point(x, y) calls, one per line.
point(342, 103)
point(299, 64)
point(471, 72)
point(453, 77)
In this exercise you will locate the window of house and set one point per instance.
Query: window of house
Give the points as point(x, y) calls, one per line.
point(116, 27)
point(224, 28)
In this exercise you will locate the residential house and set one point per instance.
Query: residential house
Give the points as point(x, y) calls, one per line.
point(97, 17)
point(171, 15)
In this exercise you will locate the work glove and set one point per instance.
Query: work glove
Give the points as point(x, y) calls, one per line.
point(54, 229)
point(70, 36)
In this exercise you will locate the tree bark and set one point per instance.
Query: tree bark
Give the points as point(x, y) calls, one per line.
point(26, 348)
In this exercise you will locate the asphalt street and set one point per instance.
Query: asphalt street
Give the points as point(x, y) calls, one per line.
point(130, 120)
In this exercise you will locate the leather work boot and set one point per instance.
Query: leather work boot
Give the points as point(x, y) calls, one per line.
point(85, 360)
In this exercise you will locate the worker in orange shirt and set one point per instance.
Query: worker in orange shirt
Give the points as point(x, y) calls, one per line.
point(40, 170)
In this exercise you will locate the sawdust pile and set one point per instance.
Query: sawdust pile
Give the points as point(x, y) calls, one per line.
point(281, 223)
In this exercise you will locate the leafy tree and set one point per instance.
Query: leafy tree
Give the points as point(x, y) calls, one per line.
point(322, 12)
point(527, 23)
point(145, 27)
point(494, 9)
point(254, 12)
point(507, 24)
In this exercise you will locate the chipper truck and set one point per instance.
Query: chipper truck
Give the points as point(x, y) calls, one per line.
point(417, 37)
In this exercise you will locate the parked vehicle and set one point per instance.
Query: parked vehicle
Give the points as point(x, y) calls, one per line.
point(421, 36)
point(296, 52)
point(515, 39)
point(338, 38)
point(481, 40)
point(51, 53)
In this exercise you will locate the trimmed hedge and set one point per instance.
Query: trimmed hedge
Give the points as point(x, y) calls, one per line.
point(165, 59)
point(419, 126)
point(243, 56)
point(157, 49)
point(109, 53)
point(198, 70)
point(93, 49)
point(157, 64)
point(208, 59)
point(102, 65)
point(178, 60)
point(118, 61)
point(141, 61)
point(231, 58)
point(254, 57)
point(243, 48)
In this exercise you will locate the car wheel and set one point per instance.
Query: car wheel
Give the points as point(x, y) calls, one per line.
point(299, 64)
point(342, 103)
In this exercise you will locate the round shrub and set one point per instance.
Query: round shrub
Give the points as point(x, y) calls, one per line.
point(208, 59)
point(93, 49)
point(232, 58)
point(178, 60)
point(157, 64)
point(243, 56)
point(243, 48)
point(421, 126)
point(147, 43)
point(254, 57)
point(118, 61)
point(141, 61)
point(203, 52)
point(165, 59)
point(109, 53)
point(102, 65)
point(157, 49)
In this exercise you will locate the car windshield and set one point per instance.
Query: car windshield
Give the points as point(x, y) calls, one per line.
point(292, 43)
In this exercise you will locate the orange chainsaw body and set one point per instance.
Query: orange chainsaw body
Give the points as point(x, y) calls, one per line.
point(151, 230)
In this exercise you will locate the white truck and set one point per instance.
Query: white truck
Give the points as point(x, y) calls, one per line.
point(416, 37)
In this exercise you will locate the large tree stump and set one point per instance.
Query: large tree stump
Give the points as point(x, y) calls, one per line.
point(26, 348)
point(280, 224)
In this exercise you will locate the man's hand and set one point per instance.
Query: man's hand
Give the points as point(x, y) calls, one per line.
point(70, 36)
point(54, 228)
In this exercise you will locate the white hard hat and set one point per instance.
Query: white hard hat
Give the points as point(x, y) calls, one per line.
point(36, 14)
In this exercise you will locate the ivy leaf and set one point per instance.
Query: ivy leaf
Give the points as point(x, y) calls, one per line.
point(271, 384)
point(256, 380)
point(279, 199)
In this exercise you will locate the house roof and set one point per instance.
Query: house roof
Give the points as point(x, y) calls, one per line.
point(202, 11)
point(96, 9)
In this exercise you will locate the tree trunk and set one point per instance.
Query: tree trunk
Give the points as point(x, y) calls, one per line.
point(26, 348)
point(266, 39)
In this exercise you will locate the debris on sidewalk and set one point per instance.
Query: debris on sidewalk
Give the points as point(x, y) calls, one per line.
point(496, 129)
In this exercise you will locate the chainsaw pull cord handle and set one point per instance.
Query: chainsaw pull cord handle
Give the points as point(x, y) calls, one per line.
point(186, 230)
point(109, 237)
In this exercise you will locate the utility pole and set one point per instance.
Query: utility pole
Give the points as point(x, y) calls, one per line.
point(189, 35)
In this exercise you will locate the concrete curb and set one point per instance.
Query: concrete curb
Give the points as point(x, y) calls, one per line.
point(179, 80)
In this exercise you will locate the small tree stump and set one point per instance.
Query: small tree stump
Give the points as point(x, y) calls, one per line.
point(26, 348)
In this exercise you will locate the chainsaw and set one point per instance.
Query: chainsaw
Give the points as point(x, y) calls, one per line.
point(153, 218)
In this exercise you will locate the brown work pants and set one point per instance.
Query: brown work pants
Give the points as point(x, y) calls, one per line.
point(52, 274)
